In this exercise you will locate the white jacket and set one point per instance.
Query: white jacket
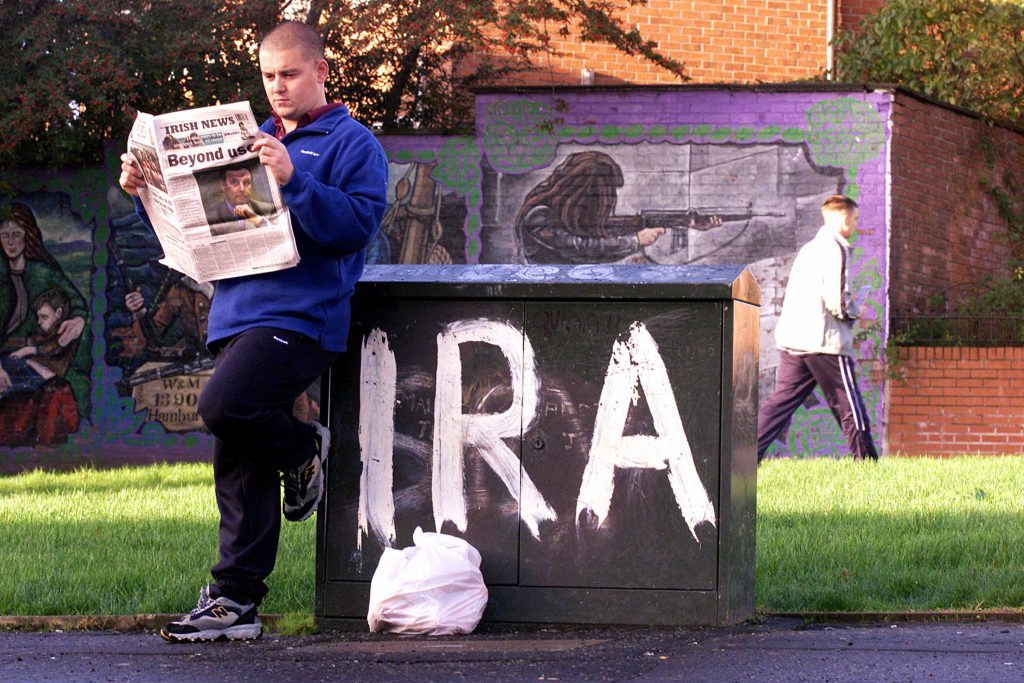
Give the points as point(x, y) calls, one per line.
point(818, 310)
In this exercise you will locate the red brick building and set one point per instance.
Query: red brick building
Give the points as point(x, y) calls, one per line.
point(719, 41)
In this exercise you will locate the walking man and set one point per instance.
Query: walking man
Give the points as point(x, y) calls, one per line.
point(272, 334)
point(814, 336)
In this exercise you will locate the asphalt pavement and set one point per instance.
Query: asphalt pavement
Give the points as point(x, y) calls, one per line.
point(774, 649)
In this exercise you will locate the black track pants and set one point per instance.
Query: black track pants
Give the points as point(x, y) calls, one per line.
point(796, 378)
point(247, 406)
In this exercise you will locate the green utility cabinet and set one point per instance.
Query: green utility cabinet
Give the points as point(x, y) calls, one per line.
point(591, 430)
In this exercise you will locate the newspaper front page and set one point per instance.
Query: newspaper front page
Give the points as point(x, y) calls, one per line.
point(216, 210)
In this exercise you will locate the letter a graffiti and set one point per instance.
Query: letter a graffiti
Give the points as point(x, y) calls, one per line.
point(636, 362)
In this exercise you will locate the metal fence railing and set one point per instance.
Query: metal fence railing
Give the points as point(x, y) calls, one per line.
point(921, 330)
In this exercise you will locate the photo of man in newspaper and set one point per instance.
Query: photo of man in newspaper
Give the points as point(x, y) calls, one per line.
point(232, 200)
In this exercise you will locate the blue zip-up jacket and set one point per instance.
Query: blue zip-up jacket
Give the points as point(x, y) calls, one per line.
point(337, 198)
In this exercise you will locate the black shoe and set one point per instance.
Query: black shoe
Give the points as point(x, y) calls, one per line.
point(215, 619)
point(304, 486)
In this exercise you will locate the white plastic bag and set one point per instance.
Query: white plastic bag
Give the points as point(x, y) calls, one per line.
point(433, 587)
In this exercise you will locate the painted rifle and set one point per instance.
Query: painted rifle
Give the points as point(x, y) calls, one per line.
point(679, 222)
point(189, 367)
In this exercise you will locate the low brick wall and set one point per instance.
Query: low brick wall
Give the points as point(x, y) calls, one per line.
point(957, 400)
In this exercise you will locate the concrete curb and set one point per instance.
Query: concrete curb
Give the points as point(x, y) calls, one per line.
point(153, 622)
point(1001, 615)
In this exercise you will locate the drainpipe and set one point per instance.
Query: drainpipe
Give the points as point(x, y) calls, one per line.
point(830, 34)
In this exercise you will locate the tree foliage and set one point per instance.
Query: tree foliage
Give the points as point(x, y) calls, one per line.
point(77, 70)
point(968, 53)
point(413, 62)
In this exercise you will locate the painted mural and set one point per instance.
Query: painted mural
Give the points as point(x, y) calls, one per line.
point(44, 320)
point(67, 353)
point(155, 327)
point(675, 178)
point(423, 223)
point(102, 347)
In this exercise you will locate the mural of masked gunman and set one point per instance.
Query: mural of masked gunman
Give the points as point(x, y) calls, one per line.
point(569, 218)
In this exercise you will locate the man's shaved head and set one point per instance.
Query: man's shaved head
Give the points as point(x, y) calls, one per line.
point(295, 34)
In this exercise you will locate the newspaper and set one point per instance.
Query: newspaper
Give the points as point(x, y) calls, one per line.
point(216, 210)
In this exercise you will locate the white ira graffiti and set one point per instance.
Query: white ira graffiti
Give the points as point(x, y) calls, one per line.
point(635, 362)
point(378, 379)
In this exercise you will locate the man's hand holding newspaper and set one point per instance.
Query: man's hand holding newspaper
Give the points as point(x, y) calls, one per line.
point(211, 190)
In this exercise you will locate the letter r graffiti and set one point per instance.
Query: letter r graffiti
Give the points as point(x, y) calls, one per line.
point(454, 430)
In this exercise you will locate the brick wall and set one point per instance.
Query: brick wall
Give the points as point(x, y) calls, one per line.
point(733, 41)
point(723, 41)
point(946, 236)
point(946, 233)
point(957, 400)
point(852, 12)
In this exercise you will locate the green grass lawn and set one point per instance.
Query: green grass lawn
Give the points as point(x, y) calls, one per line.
point(126, 541)
point(905, 534)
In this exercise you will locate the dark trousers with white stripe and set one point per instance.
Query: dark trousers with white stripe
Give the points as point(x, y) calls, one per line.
point(795, 380)
point(247, 406)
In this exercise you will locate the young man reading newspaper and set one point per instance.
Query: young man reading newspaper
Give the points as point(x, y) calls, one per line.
point(273, 334)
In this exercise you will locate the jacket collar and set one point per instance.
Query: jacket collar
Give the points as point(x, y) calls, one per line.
point(834, 234)
point(321, 120)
